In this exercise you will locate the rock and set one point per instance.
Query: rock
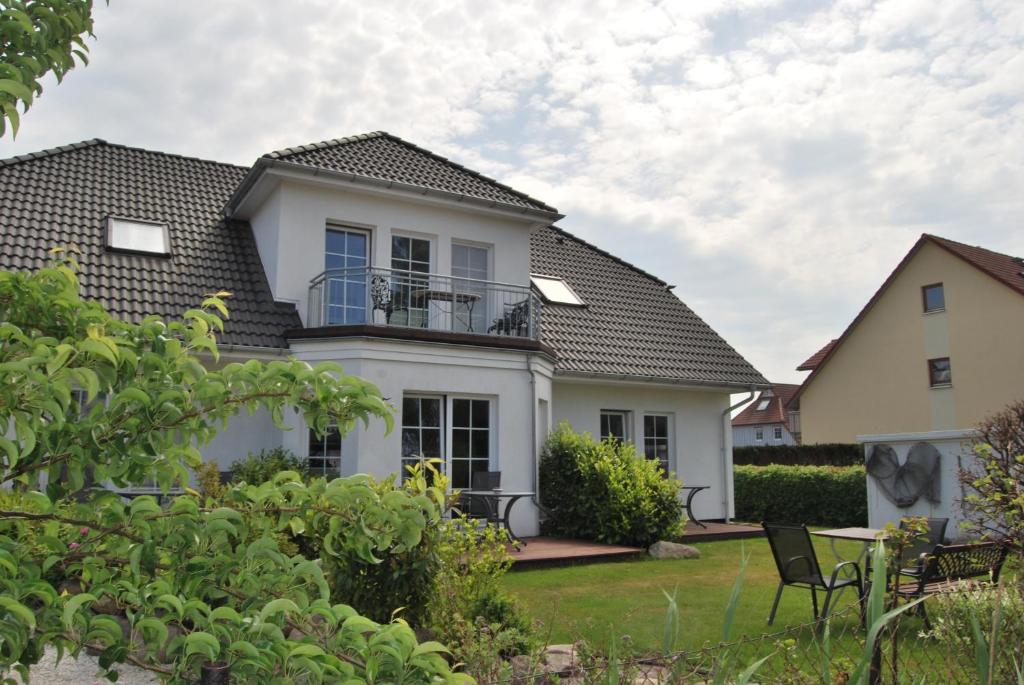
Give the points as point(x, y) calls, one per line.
point(673, 550)
point(559, 659)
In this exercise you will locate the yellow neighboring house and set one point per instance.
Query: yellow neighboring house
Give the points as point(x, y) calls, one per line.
point(938, 347)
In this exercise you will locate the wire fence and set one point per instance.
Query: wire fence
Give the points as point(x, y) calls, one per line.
point(933, 643)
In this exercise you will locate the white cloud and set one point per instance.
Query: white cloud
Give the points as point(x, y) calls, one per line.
point(773, 158)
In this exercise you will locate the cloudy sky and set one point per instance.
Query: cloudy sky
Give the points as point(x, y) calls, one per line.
point(774, 159)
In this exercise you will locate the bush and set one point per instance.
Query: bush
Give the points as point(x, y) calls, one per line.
point(262, 466)
point(604, 491)
point(825, 454)
point(815, 495)
point(954, 615)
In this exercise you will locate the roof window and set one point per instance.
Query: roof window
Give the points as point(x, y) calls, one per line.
point(555, 290)
point(762, 405)
point(133, 235)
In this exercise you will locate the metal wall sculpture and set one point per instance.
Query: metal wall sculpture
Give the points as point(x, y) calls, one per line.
point(903, 484)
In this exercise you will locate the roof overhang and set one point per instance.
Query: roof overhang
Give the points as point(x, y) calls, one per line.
point(260, 179)
point(648, 381)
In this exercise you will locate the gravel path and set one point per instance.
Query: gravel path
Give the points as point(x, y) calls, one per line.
point(83, 672)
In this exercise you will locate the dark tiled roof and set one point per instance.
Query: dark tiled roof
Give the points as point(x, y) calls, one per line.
point(812, 362)
point(632, 325)
point(56, 197)
point(775, 412)
point(386, 157)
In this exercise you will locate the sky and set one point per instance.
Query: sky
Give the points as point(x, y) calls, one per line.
point(774, 159)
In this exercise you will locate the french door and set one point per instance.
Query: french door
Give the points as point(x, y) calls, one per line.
point(346, 256)
point(458, 431)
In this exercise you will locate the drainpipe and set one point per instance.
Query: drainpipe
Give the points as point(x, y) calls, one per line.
point(727, 426)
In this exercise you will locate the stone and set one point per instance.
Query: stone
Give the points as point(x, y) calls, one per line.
point(559, 659)
point(672, 550)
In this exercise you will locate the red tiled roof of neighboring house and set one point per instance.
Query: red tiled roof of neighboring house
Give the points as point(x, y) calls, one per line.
point(775, 412)
point(1004, 268)
point(816, 358)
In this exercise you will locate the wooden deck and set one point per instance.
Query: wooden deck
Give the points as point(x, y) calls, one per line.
point(545, 551)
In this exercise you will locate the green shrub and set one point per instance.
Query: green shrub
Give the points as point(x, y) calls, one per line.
point(264, 465)
point(955, 615)
point(815, 495)
point(604, 491)
point(825, 454)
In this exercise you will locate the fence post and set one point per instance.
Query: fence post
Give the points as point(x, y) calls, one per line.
point(215, 673)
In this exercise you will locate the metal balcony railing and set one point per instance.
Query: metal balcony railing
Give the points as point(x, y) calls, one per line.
point(392, 297)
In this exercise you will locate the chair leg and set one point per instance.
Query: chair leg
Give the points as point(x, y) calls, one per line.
point(825, 606)
point(814, 602)
point(775, 604)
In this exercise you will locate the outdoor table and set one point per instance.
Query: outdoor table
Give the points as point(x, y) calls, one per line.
point(864, 535)
point(419, 298)
point(492, 499)
point(694, 489)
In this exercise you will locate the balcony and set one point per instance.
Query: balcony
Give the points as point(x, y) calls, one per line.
point(421, 301)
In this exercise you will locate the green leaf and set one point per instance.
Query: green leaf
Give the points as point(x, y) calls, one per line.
point(19, 610)
point(97, 348)
point(297, 525)
point(278, 606)
point(152, 626)
point(18, 90)
point(305, 650)
point(73, 606)
point(428, 647)
point(203, 643)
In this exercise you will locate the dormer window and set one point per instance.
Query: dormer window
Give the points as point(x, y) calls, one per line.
point(134, 235)
point(555, 290)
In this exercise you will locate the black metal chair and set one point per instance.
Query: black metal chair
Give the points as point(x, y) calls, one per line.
point(515, 320)
point(478, 507)
point(910, 558)
point(798, 567)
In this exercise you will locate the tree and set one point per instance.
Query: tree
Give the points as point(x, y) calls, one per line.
point(38, 37)
point(86, 397)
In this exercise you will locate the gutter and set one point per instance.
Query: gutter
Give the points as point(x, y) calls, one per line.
point(657, 379)
point(727, 463)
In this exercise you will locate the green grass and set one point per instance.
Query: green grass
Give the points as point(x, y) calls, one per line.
point(592, 601)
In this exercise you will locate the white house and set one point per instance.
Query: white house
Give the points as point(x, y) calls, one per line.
point(481, 321)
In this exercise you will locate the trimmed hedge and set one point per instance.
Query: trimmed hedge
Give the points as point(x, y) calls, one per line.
point(834, 496)
point(825, 454)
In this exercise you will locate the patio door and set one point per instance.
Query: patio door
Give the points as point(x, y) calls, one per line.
point(346, 256)
point(471, 440)
point(470, 268)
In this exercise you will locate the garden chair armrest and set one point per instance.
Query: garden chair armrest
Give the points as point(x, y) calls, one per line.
point(839, 567)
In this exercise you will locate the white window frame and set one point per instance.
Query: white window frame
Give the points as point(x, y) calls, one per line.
point(324, 458)
point(759, 434)
point(461, 320)
point(627, 423)
point(109, 242)
point(492, 442)
point(327, 304)
point(668, 438)
point(443, 436)
point(570, 299)
point(777, 433)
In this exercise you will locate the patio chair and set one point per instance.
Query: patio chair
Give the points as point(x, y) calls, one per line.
point(478, 507)
point(798, 567)
point(515, 320)
point(910, 558)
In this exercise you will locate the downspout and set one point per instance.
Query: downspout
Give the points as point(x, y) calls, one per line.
point(727, 426)
point(533, 432)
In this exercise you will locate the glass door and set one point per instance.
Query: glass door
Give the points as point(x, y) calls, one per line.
point(346, 257)
point(410, 281)
point(470, 441)
point(470, 262)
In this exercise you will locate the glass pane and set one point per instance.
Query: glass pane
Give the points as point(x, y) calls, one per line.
point(478, 259)
point(334, 261)
point(604, 426)
point(934, 298)
point(332, 443)
point(315, 445)
point(421, 250)
point(649, 429)
point(410, 442)
point(431, 409)
point(336, 242)
point(431, 443)
point(460, 413)
point(355, 315)
point(481, 414)
point(481, 445)
point(410, 411)
point(460, 258)
point(399, 248)
point(356, 245)
point(460, 444)
point(460, 474)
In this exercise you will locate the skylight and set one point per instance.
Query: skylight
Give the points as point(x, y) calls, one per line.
point(555, 290)
point(137, 236)
point(763, 404)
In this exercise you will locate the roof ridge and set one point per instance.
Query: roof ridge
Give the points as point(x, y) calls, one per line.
point(941, 239)
point(608, 254)
point(335, 142)
point(92, 142)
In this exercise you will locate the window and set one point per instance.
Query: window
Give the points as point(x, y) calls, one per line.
point(411, 257)
point(555, 290)
point(763, 404)
point(934, 297)
point(346, 256)
point(325, 453)
point(471, 440)
point(470, 262)
point(777, 433)
point(939, 372)
point(656, 439)
point(615, 424)
point(759, 434)
point(138, 236)
point(421, 430)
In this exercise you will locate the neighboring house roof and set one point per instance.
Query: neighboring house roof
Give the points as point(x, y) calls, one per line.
point(383, 156)
point(1004, 268)
point(64, 195)
point(775, 412)
point(631, 324)
point(815, 359)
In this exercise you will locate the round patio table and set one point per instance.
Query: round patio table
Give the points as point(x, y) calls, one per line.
point(492, 500)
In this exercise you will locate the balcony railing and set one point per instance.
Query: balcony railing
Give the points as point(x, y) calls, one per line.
point(392, 297)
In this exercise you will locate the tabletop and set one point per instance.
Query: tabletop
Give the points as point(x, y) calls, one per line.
point(496, 493)
point(862, 534)
point(444, 296)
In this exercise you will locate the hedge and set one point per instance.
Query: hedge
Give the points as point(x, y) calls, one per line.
point(816, 495)
point(825, 454)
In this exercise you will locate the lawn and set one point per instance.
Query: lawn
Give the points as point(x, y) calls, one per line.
point(592, 601)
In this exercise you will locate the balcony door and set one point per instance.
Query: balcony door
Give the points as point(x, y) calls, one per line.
point(410, 281)
point(346, 256)
point(470, 268)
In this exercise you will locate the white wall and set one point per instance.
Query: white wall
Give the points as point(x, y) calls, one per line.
point(955, 453)
point(696, 429)
point(745, 436)
point(243, 434)
point(289, 228)
point(397, 367)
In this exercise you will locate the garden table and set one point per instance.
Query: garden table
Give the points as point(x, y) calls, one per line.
point(865, 535)
point(694, 489)
point(492, 500)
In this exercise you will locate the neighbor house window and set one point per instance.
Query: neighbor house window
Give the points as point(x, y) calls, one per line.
point(763, 404)
point(471, 440)
point(759, 434)
point(422, 431)
point(939, 372)
point(325, 452)
point(615, 424)
point(656, 439)
point(778, 433)
point(934, 297)
point(133, 235)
